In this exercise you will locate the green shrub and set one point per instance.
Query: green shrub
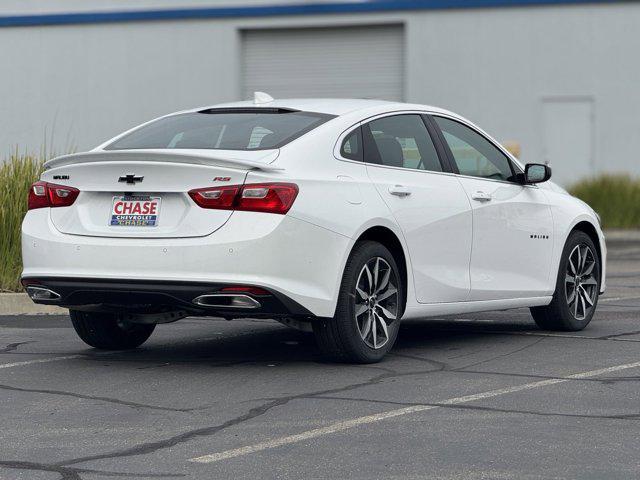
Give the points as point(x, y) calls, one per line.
point(616, 198)
point(16, 176)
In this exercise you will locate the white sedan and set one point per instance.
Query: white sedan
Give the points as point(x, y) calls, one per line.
point(337, 216)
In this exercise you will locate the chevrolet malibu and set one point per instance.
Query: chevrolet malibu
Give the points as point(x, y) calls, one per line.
point(340, 217)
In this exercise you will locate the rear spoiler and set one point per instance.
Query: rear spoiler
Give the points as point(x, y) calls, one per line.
point(258, 160)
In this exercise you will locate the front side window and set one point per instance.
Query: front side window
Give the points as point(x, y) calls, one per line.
point(400, 141)
point(473, 154)
point(222, 130)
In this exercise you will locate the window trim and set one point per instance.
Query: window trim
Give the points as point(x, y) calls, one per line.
point(454, 166)
point(449, 170)
point(438, 141)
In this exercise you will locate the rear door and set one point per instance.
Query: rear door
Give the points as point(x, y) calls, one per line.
point(512, 223)
point(430, 206)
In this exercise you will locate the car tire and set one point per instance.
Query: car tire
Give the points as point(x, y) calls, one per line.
point(105, 331)
point(577, 287)
point(371, 293)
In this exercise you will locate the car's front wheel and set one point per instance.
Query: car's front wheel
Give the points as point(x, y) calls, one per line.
point(577, 287)
point(370, 304)
point(107, 331)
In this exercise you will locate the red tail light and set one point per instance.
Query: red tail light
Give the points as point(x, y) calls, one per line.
point(44, 194)
point(253, 197)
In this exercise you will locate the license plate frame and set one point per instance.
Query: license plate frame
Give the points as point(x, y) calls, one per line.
point(144, 215)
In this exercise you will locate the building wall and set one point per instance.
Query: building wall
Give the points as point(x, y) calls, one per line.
point(498, 67)
point(77, 85)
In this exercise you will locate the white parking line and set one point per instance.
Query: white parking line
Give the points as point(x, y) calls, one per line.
point(41, 360)
point(347, 424)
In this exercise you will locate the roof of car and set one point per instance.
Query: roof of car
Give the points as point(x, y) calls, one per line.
point(331, 106)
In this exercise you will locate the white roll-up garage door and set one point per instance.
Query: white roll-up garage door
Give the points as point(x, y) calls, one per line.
point(357, 62)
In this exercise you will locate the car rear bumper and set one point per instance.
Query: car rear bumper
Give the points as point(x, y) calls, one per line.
point(290, 258)
point(144, 295)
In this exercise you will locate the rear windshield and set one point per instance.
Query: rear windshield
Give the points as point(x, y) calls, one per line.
point(222, 130)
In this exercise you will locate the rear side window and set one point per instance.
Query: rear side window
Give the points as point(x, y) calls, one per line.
point(400, 141)
point(352, 145)
point(222, 130)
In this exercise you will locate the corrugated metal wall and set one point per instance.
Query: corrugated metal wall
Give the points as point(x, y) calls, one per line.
point(360, 62)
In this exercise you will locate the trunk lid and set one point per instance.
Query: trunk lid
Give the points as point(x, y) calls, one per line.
point(120, 188)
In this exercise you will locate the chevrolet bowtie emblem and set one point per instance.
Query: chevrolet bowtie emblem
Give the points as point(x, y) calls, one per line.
point(130, 178)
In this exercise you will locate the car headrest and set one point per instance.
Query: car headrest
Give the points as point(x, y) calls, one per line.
point(267, 140)
point(390, 151)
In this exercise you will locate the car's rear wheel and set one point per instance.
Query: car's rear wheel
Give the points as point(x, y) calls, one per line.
point(370, 305)
point(577, 287)
point(107, 331)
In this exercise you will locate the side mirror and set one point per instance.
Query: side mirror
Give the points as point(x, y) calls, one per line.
point(536, 173)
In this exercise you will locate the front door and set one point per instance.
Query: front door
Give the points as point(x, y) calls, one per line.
point(512, 223)
point(431, 207)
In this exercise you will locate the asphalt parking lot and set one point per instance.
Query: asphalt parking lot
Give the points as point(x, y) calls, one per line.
point(474, 396)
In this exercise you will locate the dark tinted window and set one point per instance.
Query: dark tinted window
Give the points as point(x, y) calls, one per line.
point(352, 145)
point(400, 141)
point(474, 155)
point(222, 130)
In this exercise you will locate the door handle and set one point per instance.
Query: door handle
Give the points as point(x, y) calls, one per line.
point(399, 191)
point(481, 196)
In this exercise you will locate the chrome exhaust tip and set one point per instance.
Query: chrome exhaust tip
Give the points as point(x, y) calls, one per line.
point(41, 293)
point(226, 300)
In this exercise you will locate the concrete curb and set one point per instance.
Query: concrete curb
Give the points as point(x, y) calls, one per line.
point(21, 304)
